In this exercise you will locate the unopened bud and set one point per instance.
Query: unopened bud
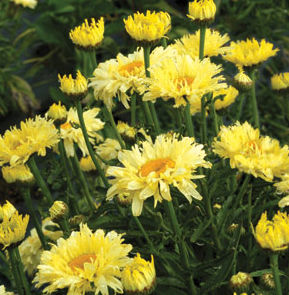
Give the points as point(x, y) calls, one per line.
point(241, 282)
point(58, 210)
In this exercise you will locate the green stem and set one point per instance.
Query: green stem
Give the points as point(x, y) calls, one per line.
point(88, 144)
point(214, 116)
point(148, 114)
point(132, 110)
point(204, 135)
point(182, 245)
point(152, 248)
point(152, 111)
point(189, 122)
point(65, 227)
point(254, 101)
point(202, 41)
point(275, 270)
point(65, 164)
point(83, 182)
point(111, 120)
point(28, 202)
point(39, 179)
point(15, 271)
point(20, 267)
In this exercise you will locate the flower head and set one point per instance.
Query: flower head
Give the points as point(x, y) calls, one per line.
point(283, 185)
point(148, 27)
point(57, 112)
point(26, 3)
point(18, 173)
point(71, 133)
point(4, 292)
point(273, 235)
point(89, 35)
point(202, 11)
point(58, 210)
point(280, 81)
point(139, 276)
point(241, 281)
point(12, 226)
point(214, 45)
point(250, 52)
point(183, 78)
point(73, 87)
point(243, 81)
point(85, 262)
point(33, 136)
point(125, 130)
point(123, 76)
point(251, 153)
point(149, 170)
point(229, 96)
point(31, 248)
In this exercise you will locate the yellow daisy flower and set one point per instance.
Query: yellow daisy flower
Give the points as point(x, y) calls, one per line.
point(125, 130)
point(57, 112)
point(214, 45)
point(273, 235)
point(31, 248)
point(73, 87)
point(229, 96)
point(76, 263)
point(71, 133)
point(12, 227)
point(18, 173)
point(280, 81)
point(33, 136)
point(139, 276)
point(283, 185)
point(183, 78)
point(123, 76)
point(148, 27)
point(284, 202)
point(202, 10)
point(251, 153)
point(89, 35)
point(149, 170)
point(250, 52)
point(7, 209)
point(4, 292)
point(26, 3)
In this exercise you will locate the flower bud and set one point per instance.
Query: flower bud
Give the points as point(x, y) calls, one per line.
point(202, 11)
point(124, 199)
point(57, 112)
point(58, 210)
point(240, 282)
point(77, 219)
point(242, 81)
point(139, 277)
point(267, 280)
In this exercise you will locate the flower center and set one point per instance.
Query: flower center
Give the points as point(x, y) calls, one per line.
point(183, 81)
point(79, 261)
point(252, 146)
point(132, 68)
point(158, 166)
point(66, 126)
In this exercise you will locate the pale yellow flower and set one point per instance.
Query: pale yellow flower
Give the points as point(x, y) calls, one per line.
point(73, 87)
point(280, 81)
point(241, 281)
point(250, 52)
point(125, 130)
point(123, 76)
point(150, 168)
point(85, 262)
point(202, 10)
point(58, 210)
point(183, 78)
point(228, 96)
point(12, 227)
point(273, 235)
point(283, 185)
point(71, 132)
point(31, 248)
point(251, 153)
point(33, 136)
point(150, 26)
point(88, 35)
point(57, 112)
point(18, 173)
point(139, 276)
point(214, 44)
point(284, 202)
point(26, 3)
point(4, 292)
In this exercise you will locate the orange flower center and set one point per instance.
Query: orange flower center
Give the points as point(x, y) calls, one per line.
point(66, 126)
point(132, 68)
point(253, 146)
point(79, 261)
point(183, 81)
point(159, 166)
